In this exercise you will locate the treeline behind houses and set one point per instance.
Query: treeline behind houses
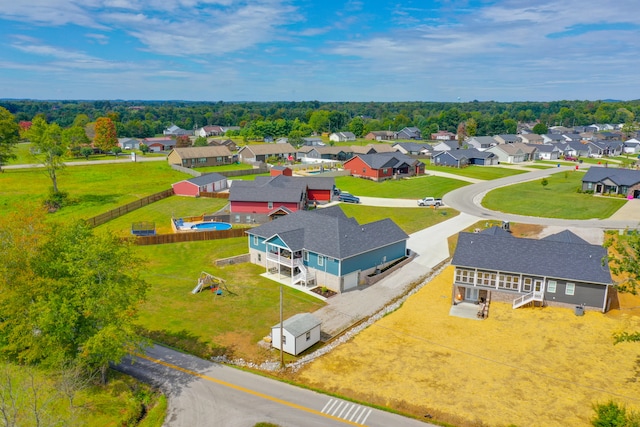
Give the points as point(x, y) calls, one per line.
point(256, 119)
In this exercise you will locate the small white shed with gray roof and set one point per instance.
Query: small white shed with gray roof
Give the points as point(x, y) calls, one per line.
point(300, 332)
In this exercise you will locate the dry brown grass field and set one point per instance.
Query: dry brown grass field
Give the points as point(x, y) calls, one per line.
point(526, 367)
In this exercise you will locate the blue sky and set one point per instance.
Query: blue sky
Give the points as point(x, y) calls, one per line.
point(279, 50)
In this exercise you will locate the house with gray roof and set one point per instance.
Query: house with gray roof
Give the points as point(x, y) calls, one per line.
point(507, 138)
point(480, 142)
point(342, 136)
point(409, 133)
point(515, 152)
point(547, 151)
point(612, 181)
point(208, 182)
point(326, 152)
point(262, 152)
point(324, 247)
point(381, 166)
point(557, 270)
point(413, 148)
point(462, 158)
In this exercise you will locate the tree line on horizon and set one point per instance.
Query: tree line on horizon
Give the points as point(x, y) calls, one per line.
point(141, 119)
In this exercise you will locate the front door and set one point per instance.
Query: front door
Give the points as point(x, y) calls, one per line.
point(538, 285)
point(471, 294)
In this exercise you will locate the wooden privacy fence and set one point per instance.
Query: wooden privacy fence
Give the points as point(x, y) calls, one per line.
point(115, 213)
point(214, 195)
point(160, 239)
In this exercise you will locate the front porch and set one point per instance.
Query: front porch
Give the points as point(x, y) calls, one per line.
point(286, 281)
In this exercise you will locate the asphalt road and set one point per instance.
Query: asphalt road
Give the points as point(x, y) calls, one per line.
point(203, 393)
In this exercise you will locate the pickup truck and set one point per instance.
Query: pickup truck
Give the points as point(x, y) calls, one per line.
point(430, 201)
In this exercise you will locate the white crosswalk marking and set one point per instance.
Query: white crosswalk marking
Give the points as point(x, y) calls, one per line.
point(347, 411)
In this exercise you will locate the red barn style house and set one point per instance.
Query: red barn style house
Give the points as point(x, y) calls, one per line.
point(381, 166)
point(268, 193)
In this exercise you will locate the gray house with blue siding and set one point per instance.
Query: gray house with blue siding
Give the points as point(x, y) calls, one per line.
point(561, 269)
point(324, 247)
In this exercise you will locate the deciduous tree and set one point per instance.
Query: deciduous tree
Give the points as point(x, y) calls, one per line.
point(74, 138)
point(48, 148)
point(9, 136)
point(106, 137)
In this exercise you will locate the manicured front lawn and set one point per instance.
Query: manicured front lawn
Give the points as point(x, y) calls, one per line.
point(477, 172)
point(409, 219)
point(93, 189)
point(205, 323)
point(559, 199)
point(412, 188)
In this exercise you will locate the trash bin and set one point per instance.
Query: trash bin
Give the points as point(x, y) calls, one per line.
point(579, 310)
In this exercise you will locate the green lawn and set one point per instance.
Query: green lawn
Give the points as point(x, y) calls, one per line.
point(205, 322)
point(93, 189)
point(412, 188)
point(559, 199)
point(477, 172)
point(161, 212)
point(409, 219)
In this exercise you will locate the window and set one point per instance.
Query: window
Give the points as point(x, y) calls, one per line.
point(385, 171)
point(551, 286)
point(305, 256)
point(255, 241)
point(269, 205)
point(284, 339)
point(202, 160)
point(570, 289)
point(259, 257)
point(464, 276)
point(590, 186)
point(507, 281)
point(308, 335)
point(320, 260)
point(527, 284)
point(248, 218)
point(486, 278)
point(364, 170)
point(237, 218)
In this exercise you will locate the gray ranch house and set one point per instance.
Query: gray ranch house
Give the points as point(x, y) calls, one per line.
point(323, 247)
point(559, 270)
point(612, 181)
point(462, 158)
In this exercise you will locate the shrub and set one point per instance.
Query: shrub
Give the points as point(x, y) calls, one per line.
point(609, 414)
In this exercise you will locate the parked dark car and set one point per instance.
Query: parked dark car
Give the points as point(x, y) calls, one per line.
point(348, 198)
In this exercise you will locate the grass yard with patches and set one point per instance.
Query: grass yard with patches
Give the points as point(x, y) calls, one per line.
point(531, 366)
point(93, 189)
point(409, 219)
point(558, 199)
point(206, 324)
point(478, 172)
point(411, 188)
point(161, 212)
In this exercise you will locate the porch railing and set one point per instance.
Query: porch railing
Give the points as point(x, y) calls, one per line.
point(526, 299)
point(284, 260)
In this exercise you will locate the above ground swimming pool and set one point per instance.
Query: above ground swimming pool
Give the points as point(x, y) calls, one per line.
point(210, 226)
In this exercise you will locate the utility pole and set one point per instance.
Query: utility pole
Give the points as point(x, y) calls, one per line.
point(281, 331)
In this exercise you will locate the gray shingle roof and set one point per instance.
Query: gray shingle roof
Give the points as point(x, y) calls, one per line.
point(330, 232)
point(626, 177)
point(199, 152)
point(299, 324)
point(207, 178)
point(279, 188)
point(386, 160)
point(559, 257)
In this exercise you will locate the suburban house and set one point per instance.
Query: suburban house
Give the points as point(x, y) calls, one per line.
point(299, 332)
point(161, 143)
point(323, 247)
point(342, 136)
point(612, 181)
point(372, 148)
point(631, 146)
point(380, 135)
point(413, 148)
point(507, 138)
point(209, 182)
point(314, 141)
point(553, 138)
point(561, 269)
point(480, 142)
point(446, 145)
point(547, 151)
point(515, 152)
point(174, 130)
point(194, 157)
point(214, 130)
point(443, 135)
point(266, 193)
point(261, 152)
point(326, 152)
point(409, 133)
point(575, 149)
point(381, 166)
point(224, 142)
point(462, 158)
point(531, 138)
point(606, 148)
point(129, 143)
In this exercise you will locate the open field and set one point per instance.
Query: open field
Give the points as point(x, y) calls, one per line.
point(204, 323)
point(477, 172)
point(532, 366)
point(411, 188)
point(558, 199)
point(94, 189)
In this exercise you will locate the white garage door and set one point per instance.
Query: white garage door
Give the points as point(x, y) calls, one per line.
point(351, 280)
